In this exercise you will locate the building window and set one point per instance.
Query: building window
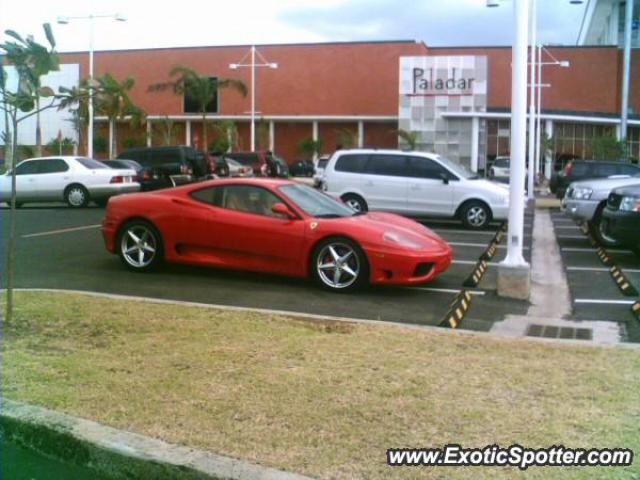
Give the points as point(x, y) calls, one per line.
point(575, 140)
point(498, 138)
point(192, 98)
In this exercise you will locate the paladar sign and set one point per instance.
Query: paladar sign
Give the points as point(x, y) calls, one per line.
point(426, 83)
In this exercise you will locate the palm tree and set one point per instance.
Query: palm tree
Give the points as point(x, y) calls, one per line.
point(112, 100)
point(408, 137)
point(33, 61)
point(199, 88)
point(347, 138)
point(76, 100)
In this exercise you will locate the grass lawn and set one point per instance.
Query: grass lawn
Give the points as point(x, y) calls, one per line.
point(323, 399)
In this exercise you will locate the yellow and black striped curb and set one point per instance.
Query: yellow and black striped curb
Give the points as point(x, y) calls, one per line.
point(488, 254)
point(476, 275)
point(623, 282)
point(635, 309)
point(604, 256)
point(457, 310)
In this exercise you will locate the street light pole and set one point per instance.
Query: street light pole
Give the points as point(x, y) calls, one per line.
point(532, 102)
point(626, 67)
point(514, 256)
point(64, 21)
point(253, 65)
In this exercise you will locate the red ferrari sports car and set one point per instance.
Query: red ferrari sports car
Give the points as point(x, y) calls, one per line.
point(276, 226)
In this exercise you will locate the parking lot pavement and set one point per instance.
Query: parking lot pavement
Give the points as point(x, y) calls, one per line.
point(63, 248)
point(594, 293)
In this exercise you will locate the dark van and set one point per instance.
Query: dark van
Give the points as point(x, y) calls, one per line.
point(169, 166)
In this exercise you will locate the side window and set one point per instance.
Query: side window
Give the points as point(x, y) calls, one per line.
point(351, 163)
point(55, 165)
point(249, 199)
point(606, 170)
point(426, 168)
point(164, 156)
point(391, 165)
point(629, 170)
point(579, 170)
point(27, 168)
point(212, 195)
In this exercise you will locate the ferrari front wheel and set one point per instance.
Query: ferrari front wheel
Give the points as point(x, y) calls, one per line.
point(140, 246)
point(339, 265)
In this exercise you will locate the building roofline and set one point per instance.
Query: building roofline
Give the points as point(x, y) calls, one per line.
point(508, 47)
point(262, 45)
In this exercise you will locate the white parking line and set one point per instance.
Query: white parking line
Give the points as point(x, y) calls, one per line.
point(575, 227)
point(599, 269)
point(484, 245)
point(62, 230)
point(593, 250)
point(608, 302)
point(580, 237)
point(445, 290)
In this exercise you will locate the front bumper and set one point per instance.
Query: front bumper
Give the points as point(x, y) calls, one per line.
point(406, 267)
point(581, 210)
point(623, 226)
point(500, 212)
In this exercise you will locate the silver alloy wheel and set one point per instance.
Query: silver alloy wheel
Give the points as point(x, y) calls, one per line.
point(354, 204)
point(477, 216)
point(76, 196)
point(338, 265)
point(138, 246)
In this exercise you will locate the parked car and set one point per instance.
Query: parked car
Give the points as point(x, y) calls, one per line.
point(585, 202)
point(500, 169)
point(581, 169)
point(236, 169)
point(220, 164)
point(621, 217)
point(272, 225)
point(319, 170)
point(75, 180)
point(302, 168)
point(169, 166)
point(414, 184)
point(258, 162)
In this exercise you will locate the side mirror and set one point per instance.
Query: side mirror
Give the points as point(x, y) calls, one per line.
point(445, 178)
point(282, 210)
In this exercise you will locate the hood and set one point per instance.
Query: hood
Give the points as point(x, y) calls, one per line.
point(380, 223)
point(490, 186)
point(606, 184)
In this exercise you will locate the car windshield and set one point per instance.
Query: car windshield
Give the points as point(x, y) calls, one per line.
point(501, 162)
point(458, 169)
point(315, 203)
point(91, 164)
point(322, 163)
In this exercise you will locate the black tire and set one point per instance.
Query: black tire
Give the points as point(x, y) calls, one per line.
point(149, 241)
point(356, 202)
point(349, 259)
point(76, 196)
point(102, 202)
point(596, 228)
point(475, 215)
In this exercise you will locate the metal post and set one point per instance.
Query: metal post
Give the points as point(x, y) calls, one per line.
point(253, 98)
point(626, 70)
point(91, 90)
point(518, 136)
point(538, 113)
point(475, 143)
point(532, 100)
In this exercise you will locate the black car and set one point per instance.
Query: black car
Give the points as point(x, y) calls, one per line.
point(219, 163)
point(581, 169)
point(169, 166)
point(302, 168)
point(621, 216)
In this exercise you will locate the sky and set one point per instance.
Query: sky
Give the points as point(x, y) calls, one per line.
point(153, 24)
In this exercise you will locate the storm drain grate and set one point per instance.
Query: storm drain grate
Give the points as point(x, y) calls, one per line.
point(551, 331)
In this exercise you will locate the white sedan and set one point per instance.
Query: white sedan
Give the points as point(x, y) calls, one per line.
point(75, 180)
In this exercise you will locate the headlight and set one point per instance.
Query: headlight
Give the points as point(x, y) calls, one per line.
point(630, 204)
point(581, 193)
point(401, 240)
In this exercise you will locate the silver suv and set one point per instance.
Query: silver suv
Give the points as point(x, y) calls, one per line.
point(584, 201)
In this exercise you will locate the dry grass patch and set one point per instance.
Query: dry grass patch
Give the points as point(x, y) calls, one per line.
point(321, 398)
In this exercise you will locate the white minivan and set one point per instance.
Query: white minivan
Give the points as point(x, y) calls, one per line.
point(414, 184)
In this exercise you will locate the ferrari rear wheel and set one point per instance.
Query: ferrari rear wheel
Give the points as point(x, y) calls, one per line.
point(140, 246)
point(339, 265)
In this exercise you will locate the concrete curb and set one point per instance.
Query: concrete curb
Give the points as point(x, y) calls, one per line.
point(119, 454)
